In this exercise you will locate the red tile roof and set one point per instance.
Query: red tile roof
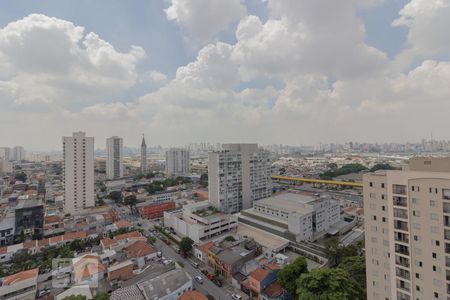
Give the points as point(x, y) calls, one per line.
point(74, 235)
point(274, 290)
point(139, 249)
point(259, 274)
point(3, 250)
point(192, 295)
point(24, 275)
point(52, 219)
point(122, 224)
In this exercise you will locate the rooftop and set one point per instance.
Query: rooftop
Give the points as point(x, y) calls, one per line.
point(139, 249)
point(259, 274)
point(28, 204)
point(192, 295)
point(292, 202)
point(163, 284)
point(21, 276)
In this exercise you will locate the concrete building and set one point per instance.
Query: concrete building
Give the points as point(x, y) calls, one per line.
point(5, 153)
point(18, 153)
point(296, 216)
point(29, 217)
point(19, 286)
point(6, 167)
point(7, 228)
point(78, 170)
point(407, 223)
point(114, 160)
point(199, 221)
point(238, 175)
point(144, 168)
point(178, 162)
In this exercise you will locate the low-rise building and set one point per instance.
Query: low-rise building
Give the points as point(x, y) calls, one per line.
point(140, 253)
point(200, 221)
point(152, 210)
point(29, 217)
point(19, 286)
point(193, 295)
point(121, 271)
point(295, 216)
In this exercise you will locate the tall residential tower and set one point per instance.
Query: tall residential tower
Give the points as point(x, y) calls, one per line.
point(407, 231)
point(78, 155)
point(177, 162)
point(238, 175)
point(143, 156)
point(114, 160)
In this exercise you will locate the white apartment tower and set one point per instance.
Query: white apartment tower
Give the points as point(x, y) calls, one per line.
point(178, 162)
point(407, 231)
point(5, 153)
point(18, 153)
point(114, 160)
point(143, 156)
point(238, 175)
point(78, 155)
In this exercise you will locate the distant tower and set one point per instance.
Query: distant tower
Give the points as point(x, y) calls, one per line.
point(143, 156)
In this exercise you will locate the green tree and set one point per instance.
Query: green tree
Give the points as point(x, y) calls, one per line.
point(346, 169)
point(288, 276)
point(131, 201)
point(336, 252)
point(103, 296)
point(73, 297)
point(355, 266)
point(229, 238)
point(186, 245)
point(116, 196)
point(21, 176)
point(151, 240)
point(381, 167)
point(327, 284)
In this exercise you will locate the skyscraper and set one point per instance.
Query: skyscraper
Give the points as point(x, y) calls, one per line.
point(78, 155)
point(238, 175)
point(5, 153)
point(18, 153)
point(407, 231)
point(143, 156)
point(177, 162)
point(114, 160)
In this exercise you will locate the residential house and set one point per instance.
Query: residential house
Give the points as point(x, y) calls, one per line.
point(121, 271)
point(19, 286)
point(140, 253)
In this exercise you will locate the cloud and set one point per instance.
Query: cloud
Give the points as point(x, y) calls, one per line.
point(53, 61)
point(204, 19)
point(153, 77)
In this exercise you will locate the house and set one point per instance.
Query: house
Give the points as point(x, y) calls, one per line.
point(201, 251)
point(140, 253)
point(121, 271)
point(121, 241)
point(76, 290)
point(257, 281)
point(228, 261)
point(19, 286)
point(275, 291)
point(193, 295)
point(87, 269)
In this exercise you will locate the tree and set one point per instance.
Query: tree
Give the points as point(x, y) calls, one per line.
point(151, 240)
point(381, 167)
point(336, 253)
point(288, 276)
point(73, 297)
point(332, 166)
point(186, 245)
point(104, 296)
point(116, 196)
point(355, 266)
point(327, 284)
point(204, 180)
point(21, 176)
point(131, 201)
point(210, 297)
point(229, 238)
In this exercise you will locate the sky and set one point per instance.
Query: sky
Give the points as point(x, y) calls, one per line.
point(185, 71)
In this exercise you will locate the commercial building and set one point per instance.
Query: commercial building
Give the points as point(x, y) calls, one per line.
point(407, 223)
point(22, 285)
point(29, 217)
point(5, 166)
point(295, 216)
point(114, 160)
point(78, 155)
point(18, 153)
point(199, 221)
point(143, 156)
point(238, 175)
point(178, 162)
point(7, 228)
point(154, 210)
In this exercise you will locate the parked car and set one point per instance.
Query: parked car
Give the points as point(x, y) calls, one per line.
point(236, 297)
point(194, 264)
point(198, 279)
point(217, 282)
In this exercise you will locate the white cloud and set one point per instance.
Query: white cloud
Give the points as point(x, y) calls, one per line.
point(204, 19)
point(153, 77)
point(50, 60)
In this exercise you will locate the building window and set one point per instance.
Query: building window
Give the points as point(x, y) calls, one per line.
point(371, 184)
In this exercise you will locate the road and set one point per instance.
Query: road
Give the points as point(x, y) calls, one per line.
point(207, 287)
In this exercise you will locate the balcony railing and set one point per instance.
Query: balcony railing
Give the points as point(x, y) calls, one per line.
point(400, 213)
point(400, 201)
point(401, 249)
point(402, 273)
point(401, 237)
point(401, 225)
point(402, 261)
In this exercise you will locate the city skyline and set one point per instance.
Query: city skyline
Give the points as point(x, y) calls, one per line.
point(260, 71)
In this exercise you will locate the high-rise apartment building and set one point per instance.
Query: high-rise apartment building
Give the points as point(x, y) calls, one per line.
point(5, 153)
point(143, 156)
point(178, 162)
point(78, 155)
point(407, 231)
point(238, 175)
point(18, 153)
point(114, 160)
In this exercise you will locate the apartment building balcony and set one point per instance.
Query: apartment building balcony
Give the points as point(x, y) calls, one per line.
point(401, 296)
point(402, 273)
point(399, 189)
point(400, 201)
point(402, 261)
point(401, 225)
point(402, 285)
point(401, 237)
point(446, 207)
point(400, 213)
point(447, 275)
point(447, 221)
point(447, 248)
point(401, 249)
point(447, 234)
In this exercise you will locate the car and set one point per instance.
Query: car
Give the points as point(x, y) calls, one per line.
point(217, 282)
point(198, 279)
point(205, 272)
point(194, 264)
point(236, 297)
point(167, 262)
